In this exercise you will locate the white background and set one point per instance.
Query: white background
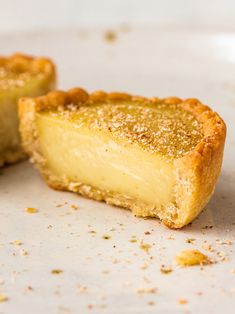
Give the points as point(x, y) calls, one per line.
point(44, 14)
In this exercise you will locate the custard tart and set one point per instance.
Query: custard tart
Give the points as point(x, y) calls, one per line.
point(158, 157)
point(20, 75)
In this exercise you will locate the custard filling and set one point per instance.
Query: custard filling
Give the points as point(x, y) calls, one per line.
point(124, 149)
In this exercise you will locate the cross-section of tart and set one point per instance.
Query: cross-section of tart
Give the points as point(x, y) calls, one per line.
point(20, 75)
point(157, 157)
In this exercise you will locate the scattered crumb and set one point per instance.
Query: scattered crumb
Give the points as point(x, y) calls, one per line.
point(133, 240)
point(82, 289)
point(16, 242)
point(110, 36)
point(151, 303)
point(171, 237)
point(208, 247)
point(31, 210)
point(165, 269)
point(57, 271)
point(92, 232)
point(74, 206)
point(190, 240)
point(222, 256)
point(144, 266)
point(3, 298)
point(147, 290)
point(49, 226)
point(145, 247)
point(106, 237)
point(208, 227)
point(182, 301)
point(24, 252)
point(191, 258)
point(147, 233)
point(224, 242)
point(233, 271)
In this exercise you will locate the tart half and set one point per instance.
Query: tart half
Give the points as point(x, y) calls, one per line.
point(20, 75)
point(158, 157)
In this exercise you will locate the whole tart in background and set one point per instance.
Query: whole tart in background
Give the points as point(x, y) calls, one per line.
point(20, 75)
point(158, 157)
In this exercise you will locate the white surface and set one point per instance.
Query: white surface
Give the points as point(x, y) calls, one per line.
point(143, 61)
point(44, 14)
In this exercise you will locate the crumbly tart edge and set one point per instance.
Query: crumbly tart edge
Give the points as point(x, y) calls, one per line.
point(197, 171)
point(24, 63)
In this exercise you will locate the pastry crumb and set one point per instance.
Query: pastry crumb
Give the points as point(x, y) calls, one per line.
point(147, 290)
point(183, 301)
point(74, 206)
point(224, 242)
point(190, 240)
point(151, 303)
point(191, 258)
point(144, 266)
point(110, 36)
point(106, 237)
point(16, 242)
point(24, 252)
point(57, 271)
point(145, 246)
point(208, 247)
point(166, 269)
point(82, 289)
point(31, 210)
point(92, 232)
point(132, 240)
point(3, 298)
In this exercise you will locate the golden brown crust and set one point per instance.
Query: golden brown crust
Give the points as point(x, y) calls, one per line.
point(197, 171)
point(20, 63)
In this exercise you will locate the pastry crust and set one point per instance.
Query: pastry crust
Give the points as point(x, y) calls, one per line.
point(20, 63)
point(197, 171)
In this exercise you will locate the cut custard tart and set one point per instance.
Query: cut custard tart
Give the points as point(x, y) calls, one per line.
point(158, 157)
point(20, 75)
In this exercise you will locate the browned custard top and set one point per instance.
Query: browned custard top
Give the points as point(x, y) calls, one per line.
point(12, 79)
point(166, 129)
